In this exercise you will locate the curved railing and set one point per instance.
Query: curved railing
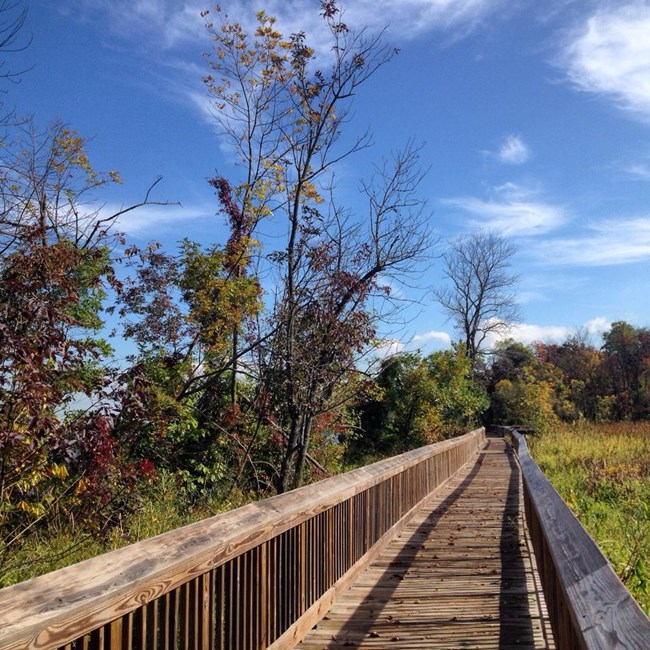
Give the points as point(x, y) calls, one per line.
point(256, 577)
point(589, 607)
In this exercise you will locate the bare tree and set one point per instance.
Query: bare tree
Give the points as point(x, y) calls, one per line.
point(479, 297)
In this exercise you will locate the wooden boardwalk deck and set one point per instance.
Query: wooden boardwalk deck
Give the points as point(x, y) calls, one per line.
point(459, 575)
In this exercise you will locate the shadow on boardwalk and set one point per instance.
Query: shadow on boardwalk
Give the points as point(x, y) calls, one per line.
point(458, 576)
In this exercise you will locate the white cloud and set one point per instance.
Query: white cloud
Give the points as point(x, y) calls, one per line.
point(609, 242)
point(528, 333)
point(154, 23)
point(150, 218)
point(598, 326)
point(513, 212)
point(433, 336)
point(610, 55)
point(514, 151)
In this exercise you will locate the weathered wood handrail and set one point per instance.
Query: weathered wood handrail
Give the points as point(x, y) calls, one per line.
point(589, 607)
point(256, 577)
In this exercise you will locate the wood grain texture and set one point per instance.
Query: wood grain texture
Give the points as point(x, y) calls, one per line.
point(590, 607)
point(53, 610)
point(459, 575)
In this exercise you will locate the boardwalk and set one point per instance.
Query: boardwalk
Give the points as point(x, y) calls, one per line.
point(459, 575)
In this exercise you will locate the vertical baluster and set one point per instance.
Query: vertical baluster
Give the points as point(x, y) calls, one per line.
point(282, 584)
point(140, 627)
point(219, 608)
point(206, 604)
point(293, 575)
point(302, 568)
point(152, 626)
point(168, 627)
point(309, 559)
point(184, 615)
point(263, 582)
point(338, 536)
point(191, 614)
point(128, 631)
point(249, 586)
point(115, 634)
point(330, 548)
point(350, 530)
point(241, 621)
point(96, 641)
point(273, 590)
point(238, 617)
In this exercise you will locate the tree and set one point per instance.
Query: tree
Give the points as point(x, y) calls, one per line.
point(480, 297)
point(578, 362)
point(55, 269)
point(283, 116)
point(416, 401)
point(627, 361)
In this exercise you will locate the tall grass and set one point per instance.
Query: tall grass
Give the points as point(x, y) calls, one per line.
point(163, 509)
point(603, 474)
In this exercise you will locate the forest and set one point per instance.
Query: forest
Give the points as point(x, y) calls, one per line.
point(252, 371)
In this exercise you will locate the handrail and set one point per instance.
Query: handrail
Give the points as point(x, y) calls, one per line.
point(256, 577)
point(589, 607)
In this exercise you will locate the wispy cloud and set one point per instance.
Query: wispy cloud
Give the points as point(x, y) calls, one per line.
point(513, 212)
point(513, 151)
point(149, 219)
point(608, 242)
point(154, 23)
point(638, 171)
point(410, 18)
point(172, 34)
point(610, 54)
point(174, 22)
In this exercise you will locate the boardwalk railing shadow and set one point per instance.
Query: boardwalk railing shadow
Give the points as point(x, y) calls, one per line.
point(514, 610)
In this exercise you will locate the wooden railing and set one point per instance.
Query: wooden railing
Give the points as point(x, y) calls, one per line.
point(256, 577)
point(589, 607)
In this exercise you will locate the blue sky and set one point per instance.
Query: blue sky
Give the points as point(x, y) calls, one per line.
point(534, 118)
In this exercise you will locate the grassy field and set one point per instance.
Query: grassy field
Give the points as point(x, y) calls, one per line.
point(603, 474)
